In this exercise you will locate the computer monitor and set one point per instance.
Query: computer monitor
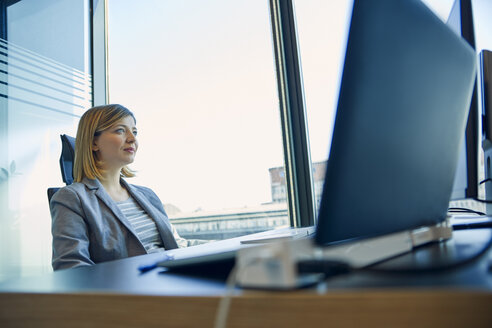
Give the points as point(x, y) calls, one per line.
point(486, 73)
point(486, 84)
point(403, 105)
point(466, 180)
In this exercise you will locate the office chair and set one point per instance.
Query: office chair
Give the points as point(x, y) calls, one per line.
point(66, 162)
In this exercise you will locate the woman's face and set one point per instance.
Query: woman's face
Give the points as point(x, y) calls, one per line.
point(117, 146)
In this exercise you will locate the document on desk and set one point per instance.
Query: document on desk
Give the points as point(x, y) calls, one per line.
point(281, 236)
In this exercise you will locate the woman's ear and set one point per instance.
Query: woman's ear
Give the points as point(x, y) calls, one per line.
point(94, 145)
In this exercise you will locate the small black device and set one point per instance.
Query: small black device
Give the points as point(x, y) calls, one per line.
point(466, 180)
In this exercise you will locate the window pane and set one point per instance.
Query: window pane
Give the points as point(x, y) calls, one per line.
point(322, 28)
point(45, 86)
point(200, 77)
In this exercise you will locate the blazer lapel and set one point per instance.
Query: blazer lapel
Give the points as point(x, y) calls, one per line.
point(110, 203)
point(161, 220)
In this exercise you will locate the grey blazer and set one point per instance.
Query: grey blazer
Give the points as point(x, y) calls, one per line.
point(88, 227)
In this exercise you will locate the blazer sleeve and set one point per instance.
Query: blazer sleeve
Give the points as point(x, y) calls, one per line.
point(69, 230)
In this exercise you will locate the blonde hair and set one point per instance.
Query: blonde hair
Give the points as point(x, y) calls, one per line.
point(94, 121)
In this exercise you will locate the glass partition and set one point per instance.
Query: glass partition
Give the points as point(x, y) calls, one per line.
point(45, 85)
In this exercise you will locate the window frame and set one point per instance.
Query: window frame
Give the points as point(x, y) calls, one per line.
point(297, 156)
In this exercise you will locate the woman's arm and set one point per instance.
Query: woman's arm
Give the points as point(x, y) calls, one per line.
point(182, 242)
point(69, 230)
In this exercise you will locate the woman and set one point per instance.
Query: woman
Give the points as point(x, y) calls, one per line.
point(100, 217)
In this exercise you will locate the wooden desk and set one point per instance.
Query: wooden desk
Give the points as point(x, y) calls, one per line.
point(114, 294)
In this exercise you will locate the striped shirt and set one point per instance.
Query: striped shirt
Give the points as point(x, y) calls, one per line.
point(143, 224)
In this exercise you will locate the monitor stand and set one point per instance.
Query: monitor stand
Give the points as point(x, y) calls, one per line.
point(274, 265)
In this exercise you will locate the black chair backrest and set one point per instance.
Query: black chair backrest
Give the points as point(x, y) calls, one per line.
point(66, 162)
point(51, 192)
point(67, 158)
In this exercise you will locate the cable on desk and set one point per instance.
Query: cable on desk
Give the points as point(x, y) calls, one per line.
point(486, 201)
point(329, 268)
point(484, 181)
point(225, 301)
point(464, 210)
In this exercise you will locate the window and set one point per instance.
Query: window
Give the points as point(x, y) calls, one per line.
point(200, 78)
point(322, 28)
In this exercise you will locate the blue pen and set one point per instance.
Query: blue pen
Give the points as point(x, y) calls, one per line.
point(146, 268)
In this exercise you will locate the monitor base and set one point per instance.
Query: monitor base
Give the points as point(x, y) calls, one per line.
point(274, 265)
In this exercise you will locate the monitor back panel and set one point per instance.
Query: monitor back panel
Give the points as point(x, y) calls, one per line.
point(403, 103)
